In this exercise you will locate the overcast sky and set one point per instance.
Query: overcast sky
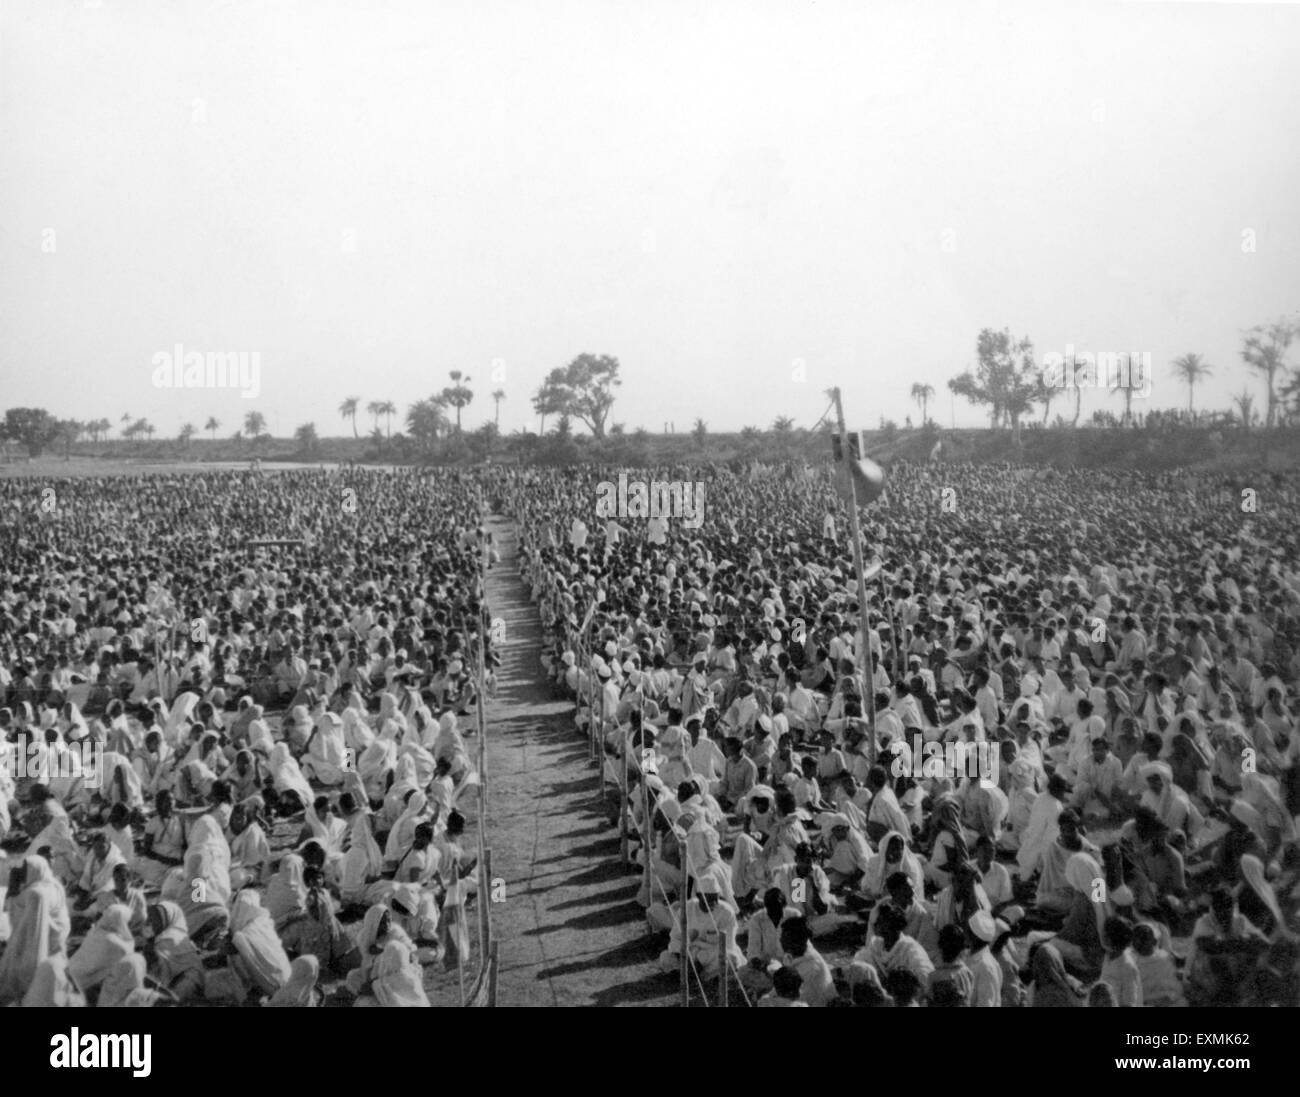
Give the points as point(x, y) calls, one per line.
point(370, 194)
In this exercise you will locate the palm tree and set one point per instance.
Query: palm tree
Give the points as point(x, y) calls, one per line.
point(1191, 368)
point(457, 394)
point(425, 421)
point(348, 409)
point(211, 426)
point(497, 397)
point(254, 424)
point(922, 394)
point(187, 432)
point(373, 409)
point(388, 409)
point(1245, 405)
point(1127, 390)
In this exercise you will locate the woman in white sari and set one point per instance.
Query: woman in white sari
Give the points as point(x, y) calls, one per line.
point(108, 942)
point(202, 886)
point(66, 859)
point(256, 955)
point(402, 834)
point(404, 782)
point(892, 855)
point(450, 745)
point(425, 763)
point(378, 761)
point(300, 990)
point(126, 986)
point(357, 735)
point(52, 986)
point(398, 978)
point(38, 914)
point(1168, 801)
point(325, 828)
point(327, 751)
point(390, 714)
point(121, 782)
point(174, 960)
point(288, 777)
point(250, 852)
point(377, 928)
point(179, 717)
point(363, 861)
point(259, 733)
point(286, 895)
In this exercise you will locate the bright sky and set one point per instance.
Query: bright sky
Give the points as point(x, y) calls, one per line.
point(370, 194)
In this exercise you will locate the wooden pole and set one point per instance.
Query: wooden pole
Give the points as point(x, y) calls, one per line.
point(492, 976)
point(722, 969)
point(647, 823)
point(460, 952)
point(482, 694)
point(864, 637)
point(624, 838)
point(686, 887)
point(482, 916)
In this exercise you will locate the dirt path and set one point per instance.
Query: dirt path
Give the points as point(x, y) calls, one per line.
point(570, 930)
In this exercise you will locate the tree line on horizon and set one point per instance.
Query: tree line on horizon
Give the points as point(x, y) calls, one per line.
point(1006, 380)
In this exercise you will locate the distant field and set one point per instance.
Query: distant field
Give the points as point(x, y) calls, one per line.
point(1202, 450)
point(47, 467)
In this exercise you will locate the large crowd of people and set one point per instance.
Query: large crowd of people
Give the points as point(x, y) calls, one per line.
point(1123, 647)
point(233, 711)
point(1052, 761)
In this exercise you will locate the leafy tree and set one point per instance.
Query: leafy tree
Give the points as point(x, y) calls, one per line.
point(1004, 378)
point(583, 389)
point(552, 398)
point(186, 433)
point(782, 425)
point(307, 439)
point(700, 432)
point(1264, 351)
point(254, 424)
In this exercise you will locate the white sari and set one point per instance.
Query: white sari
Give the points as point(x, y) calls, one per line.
point(108, 942)
point(41, 922)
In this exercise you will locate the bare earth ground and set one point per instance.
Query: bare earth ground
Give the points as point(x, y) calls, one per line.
point(570, 930)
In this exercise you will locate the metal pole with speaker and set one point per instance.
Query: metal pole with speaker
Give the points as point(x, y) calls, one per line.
point(860, 479)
